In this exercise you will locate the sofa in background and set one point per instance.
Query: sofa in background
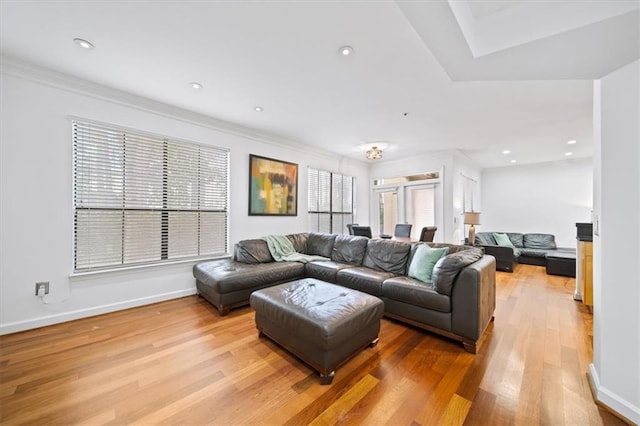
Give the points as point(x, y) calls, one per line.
point(531, 249)
point(459, 303)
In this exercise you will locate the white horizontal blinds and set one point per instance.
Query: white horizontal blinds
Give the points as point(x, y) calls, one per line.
point(330, 205)
point(145, 199)
point(342, 202)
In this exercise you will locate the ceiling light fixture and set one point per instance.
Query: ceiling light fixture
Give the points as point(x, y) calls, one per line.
point(374, 153)
point(571, 142)
point(258, 109)
point(568, 154)
point(83, 43)
point(506, 151)
point(195, 85)
point(346, 50)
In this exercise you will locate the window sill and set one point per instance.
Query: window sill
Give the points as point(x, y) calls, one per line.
point(153, 266)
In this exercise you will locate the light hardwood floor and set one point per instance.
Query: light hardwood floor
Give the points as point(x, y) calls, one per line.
point(178, 362)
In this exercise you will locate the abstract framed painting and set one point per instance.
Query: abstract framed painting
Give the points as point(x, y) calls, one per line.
point(273, 187)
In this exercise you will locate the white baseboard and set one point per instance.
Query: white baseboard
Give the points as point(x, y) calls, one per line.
point(612, 401)
point(14, 327)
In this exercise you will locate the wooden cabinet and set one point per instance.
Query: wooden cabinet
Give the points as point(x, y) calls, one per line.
point(585, 271)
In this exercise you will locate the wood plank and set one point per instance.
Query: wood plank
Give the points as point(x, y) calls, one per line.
point(179, 362)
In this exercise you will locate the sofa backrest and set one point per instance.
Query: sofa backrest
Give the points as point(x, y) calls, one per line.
point(516, 239)
point(320, 244)
point(540, 241)
point(252, 251)
point(387, 256)
point(453, 248)
point(487, 239)
point(299, 241)
point(349, 249)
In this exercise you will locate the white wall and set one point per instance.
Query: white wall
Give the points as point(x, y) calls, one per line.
point(547, 198)
point(36, 194)
point(463, 169)
point(615, 370)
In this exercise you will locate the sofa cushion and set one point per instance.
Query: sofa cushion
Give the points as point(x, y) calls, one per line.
point(531, 252)
point(363, 279)
point(503, 240)
point(423, 261)
point(387, 256)
point(517, 239)
point(252, 251)
point(325, 270)
point(408, 290)
point(448, 268)
point(349, 249)
point(299, 241)
point(226, 276)
point(320, 244)
point(540, 241)
point(485, 239)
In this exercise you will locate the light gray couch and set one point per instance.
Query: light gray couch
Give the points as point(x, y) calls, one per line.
point(530, 249)
point(458, 304)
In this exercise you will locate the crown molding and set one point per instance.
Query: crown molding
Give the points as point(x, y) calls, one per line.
point(49, 77)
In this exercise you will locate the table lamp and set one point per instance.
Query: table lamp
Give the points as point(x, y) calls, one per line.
point(472, 218)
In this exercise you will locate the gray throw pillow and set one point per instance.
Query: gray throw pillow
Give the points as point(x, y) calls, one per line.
point(447, 269)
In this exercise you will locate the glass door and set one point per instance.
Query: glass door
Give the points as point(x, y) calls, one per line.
point(387, 210)
point(408, 203)
point(420, 207)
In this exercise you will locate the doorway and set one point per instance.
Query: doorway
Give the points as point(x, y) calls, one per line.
point(408, 202)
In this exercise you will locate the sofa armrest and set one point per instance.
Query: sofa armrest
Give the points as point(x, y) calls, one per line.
point(473, 300)
point(505, 256)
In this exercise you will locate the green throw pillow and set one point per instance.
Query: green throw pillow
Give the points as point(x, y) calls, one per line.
point(424, 259)
point(503, 240)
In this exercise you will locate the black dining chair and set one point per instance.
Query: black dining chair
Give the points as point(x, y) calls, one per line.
point(350, 227)
point(403, 230)
point(427, 233)
point(364, 231)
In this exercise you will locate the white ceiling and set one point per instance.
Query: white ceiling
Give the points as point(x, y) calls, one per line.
point(454, 67)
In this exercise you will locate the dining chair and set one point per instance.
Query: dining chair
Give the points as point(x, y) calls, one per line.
point(350, 227)
point(364, 231)
point(402, 230)
point(427, 233)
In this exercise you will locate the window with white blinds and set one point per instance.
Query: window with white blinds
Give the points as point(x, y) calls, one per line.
point(330, 201)
point(142, 199)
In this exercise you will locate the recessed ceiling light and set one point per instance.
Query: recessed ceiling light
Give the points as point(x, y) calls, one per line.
point(571, 142)
point(346, 50)
point(258, 109)
point(83, 43)
point(506, 151)
point(513, 161)
point(195, 85)
point(568, 154)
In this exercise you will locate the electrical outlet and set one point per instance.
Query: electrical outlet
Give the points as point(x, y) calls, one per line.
point(42, 288)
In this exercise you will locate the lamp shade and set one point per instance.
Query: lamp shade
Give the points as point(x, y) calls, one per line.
point(472, 218)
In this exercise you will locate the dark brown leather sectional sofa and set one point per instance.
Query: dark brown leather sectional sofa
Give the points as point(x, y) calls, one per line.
point(459, 304)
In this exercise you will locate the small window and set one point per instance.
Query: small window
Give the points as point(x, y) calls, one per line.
point(144, 199)
point(331, 199)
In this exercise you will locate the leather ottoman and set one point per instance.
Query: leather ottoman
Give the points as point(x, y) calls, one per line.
point(562, 263)
point(321, 323)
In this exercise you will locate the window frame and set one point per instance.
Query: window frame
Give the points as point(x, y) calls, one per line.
point(212, 199)
point(331, 211)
